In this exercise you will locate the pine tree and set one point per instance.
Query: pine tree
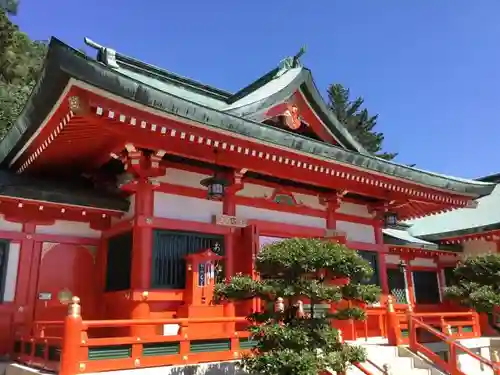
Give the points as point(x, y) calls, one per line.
point(357, 120)
point(290, 341)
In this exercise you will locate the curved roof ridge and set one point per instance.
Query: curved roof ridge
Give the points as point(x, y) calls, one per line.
point(156, 70)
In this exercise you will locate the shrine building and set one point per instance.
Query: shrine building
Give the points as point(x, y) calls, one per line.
point(134, 189)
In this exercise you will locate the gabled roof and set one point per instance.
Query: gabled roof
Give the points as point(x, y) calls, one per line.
point(252, 102)
point(461, 222)
point(64, 63)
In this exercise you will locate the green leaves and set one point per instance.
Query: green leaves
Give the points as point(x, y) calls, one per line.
point(477, 283)
point(292, 341)
point(20, 64)
point(296, 257)
point(357, 120)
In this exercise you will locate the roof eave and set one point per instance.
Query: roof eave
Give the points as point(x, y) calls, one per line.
point(64, 62)
point(465, 232)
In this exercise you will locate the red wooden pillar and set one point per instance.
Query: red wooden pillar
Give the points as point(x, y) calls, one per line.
point(382, 264)
point(26, 278)
point(142, 253)
point(229, 208)
point(409, 280)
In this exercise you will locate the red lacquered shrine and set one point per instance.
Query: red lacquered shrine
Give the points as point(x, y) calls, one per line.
point(135, 189)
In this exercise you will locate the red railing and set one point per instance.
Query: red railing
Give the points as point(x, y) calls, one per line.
point(451, 365)
point(79, 352)
point(380, 370)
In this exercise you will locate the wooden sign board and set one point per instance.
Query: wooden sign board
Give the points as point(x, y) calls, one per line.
point(230, 221)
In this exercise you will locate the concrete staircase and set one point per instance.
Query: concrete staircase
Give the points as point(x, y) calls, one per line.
point(400, 361)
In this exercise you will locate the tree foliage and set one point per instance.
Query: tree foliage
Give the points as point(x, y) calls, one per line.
point(10, 6)
point(477, 283)
point(357, 120)
point(289, 342)
point(20, 64)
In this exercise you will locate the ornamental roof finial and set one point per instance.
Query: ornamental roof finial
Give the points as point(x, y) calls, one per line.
point(292, 61)
point(104, 54)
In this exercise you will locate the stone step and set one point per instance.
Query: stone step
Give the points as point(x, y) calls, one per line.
point(379, 355)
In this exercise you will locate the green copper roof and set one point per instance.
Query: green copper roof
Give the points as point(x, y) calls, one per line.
point(63, 63)
point(464, 221)
point(403, 238)
point(63, 192)
point(251, 102)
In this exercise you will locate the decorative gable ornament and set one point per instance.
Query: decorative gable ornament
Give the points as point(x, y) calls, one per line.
point(292, 117)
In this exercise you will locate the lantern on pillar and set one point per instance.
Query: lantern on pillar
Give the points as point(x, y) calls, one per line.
point(216, 187)
point(390, 219)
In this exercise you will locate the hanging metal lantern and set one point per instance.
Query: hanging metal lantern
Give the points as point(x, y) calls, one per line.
point(216, 187)
point(402, 266)
point(390, 219)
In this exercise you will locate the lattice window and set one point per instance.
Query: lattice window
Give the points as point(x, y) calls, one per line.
point(372, 257)
point(397, 284)
point(169, 251)
point(119, 262)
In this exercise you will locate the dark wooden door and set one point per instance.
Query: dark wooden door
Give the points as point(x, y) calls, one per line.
point(426, 287)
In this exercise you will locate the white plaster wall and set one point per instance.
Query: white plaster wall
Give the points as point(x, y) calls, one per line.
point(246, 212)
point(184, 178)
point(255, 191)
point(11, 277)
point(265, 240)
point(69, 228)
point(307, 200)
point(392, 258)
point(185, 208)
point(354, 209)
point(8, 225)
point(479, 247)
point(259, 191)
point(423, 262)
point(357, 232)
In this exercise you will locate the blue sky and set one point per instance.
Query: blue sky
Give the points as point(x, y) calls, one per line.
point(430, 68)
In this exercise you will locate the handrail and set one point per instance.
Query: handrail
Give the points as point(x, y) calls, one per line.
point(364, 370)
point(452, 364)
point(141, 322)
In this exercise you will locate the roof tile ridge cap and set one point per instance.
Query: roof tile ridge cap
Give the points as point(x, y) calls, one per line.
point(111, 58)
